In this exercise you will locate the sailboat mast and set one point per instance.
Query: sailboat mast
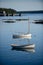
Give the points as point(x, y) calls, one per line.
point(28, 26)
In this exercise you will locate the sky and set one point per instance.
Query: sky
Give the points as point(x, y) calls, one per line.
point(22, 5)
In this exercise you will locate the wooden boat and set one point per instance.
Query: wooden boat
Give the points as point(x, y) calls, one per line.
point(28, 46)
point(22, 36)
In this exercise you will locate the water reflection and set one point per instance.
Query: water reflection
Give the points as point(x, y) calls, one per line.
point(26, 50)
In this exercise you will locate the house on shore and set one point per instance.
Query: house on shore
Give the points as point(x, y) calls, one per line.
point(2, 13)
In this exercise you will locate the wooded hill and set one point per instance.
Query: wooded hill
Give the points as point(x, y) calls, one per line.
point(8, 11)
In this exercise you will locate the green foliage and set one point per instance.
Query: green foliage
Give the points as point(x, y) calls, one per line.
point(8, 11)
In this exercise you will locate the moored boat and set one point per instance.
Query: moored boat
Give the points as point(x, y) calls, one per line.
point(38, 21)
point(28, 46)
point(9, 21)
point(22, 36)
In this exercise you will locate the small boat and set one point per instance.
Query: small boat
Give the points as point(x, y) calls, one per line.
point(38, 21)
point(22, 36)
point(28, 46)
point(9, 21)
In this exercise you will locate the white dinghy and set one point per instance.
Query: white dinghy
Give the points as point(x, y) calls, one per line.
point(28, 36)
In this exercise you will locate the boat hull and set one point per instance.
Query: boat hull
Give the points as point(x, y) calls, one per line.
point(22, 36)
point(28, 46)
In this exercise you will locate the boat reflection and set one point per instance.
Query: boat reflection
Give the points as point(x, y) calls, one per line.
point(25, 50)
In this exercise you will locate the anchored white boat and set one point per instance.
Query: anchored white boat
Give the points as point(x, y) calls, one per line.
point(28, 46)
point(22, 36)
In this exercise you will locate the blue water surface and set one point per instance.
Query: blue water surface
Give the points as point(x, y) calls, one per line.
point(18, 57)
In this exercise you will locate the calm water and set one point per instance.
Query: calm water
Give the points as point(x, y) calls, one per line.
point(15, 57)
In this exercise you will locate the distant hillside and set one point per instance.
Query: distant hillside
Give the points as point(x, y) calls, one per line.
point(12, 12)
point(38, 11)
point(8, 11)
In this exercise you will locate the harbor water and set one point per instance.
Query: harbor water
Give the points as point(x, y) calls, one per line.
point(21, 57)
